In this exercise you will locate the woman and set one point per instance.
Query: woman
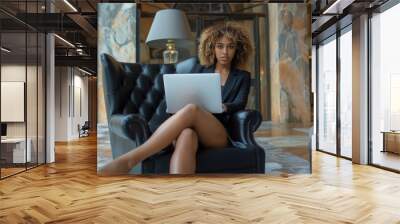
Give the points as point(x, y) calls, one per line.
point(222, 49)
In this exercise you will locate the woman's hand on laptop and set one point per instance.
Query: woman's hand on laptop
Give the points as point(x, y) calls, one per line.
point(223, 108)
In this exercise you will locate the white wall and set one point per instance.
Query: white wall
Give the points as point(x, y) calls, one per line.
point(61, 103)
point(71, 93)
point(81, 83)
point(50, 93)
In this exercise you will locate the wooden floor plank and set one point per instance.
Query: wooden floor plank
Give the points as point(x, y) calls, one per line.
point(69, 191)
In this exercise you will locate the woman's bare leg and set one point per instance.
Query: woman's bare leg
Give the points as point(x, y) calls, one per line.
point(183, 160)
point(209, 130)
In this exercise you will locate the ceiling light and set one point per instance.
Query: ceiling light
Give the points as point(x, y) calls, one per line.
point(65, 41)
point(5, 50)
point(84, 71)
point(338, 6)
point(70, 5)
point(80, 51)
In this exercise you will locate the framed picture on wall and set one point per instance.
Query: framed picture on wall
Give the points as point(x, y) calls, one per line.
point(12, 101)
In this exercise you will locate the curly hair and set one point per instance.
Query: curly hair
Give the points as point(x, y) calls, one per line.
point(212, 34)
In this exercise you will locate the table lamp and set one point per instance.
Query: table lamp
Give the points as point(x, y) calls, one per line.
point(170, 30)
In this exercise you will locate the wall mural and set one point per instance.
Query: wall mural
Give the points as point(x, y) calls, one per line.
point(290, 75)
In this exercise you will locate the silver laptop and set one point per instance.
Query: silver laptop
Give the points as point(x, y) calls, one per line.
point(202, 89)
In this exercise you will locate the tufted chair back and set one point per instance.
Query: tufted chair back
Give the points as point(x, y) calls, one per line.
point(139, 88)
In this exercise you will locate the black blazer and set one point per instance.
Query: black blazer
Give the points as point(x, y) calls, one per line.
point(235, 91)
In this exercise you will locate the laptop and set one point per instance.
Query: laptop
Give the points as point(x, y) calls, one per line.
point(202, 89)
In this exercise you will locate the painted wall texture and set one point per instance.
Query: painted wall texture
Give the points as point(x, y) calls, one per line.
point(290, 42)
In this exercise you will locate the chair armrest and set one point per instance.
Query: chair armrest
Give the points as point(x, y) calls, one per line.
point(130, 126)
point(242, 126)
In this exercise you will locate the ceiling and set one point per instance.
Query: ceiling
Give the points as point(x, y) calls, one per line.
point(326, 24)
point(77, 27)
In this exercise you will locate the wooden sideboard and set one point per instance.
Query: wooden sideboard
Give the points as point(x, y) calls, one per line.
point(391, 141)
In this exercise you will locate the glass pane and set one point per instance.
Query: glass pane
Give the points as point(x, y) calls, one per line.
point(14, 151)
point(41, 99)
point(32, 85)
point(22, 82)
point(346, 94)
point(31, 97)
point(327, 96)
point(385, 89)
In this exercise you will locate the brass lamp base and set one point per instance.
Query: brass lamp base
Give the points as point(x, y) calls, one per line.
point(170, 55)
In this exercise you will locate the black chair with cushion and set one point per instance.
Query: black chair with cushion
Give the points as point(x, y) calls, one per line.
point(84, 129)
point(135, 107)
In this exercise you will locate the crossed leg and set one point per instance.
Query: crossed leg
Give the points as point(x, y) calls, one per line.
point(183, 160)
point(210, 132)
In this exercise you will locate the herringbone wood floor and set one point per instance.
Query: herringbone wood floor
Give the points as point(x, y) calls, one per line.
point(70, 191)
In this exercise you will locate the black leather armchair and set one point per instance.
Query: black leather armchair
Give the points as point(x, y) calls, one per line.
point(83, 131)
point(135, 106)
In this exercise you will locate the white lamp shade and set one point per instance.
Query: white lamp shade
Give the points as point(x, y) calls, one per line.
point(169, 24)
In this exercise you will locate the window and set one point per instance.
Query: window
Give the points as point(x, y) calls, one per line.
point(385, 88)
point(346, 93)
point(327, 96)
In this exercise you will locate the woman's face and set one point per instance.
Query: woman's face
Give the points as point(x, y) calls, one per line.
point(225, 50)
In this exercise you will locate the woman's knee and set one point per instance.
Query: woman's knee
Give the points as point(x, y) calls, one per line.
point(190, 109)
point(191, 113)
